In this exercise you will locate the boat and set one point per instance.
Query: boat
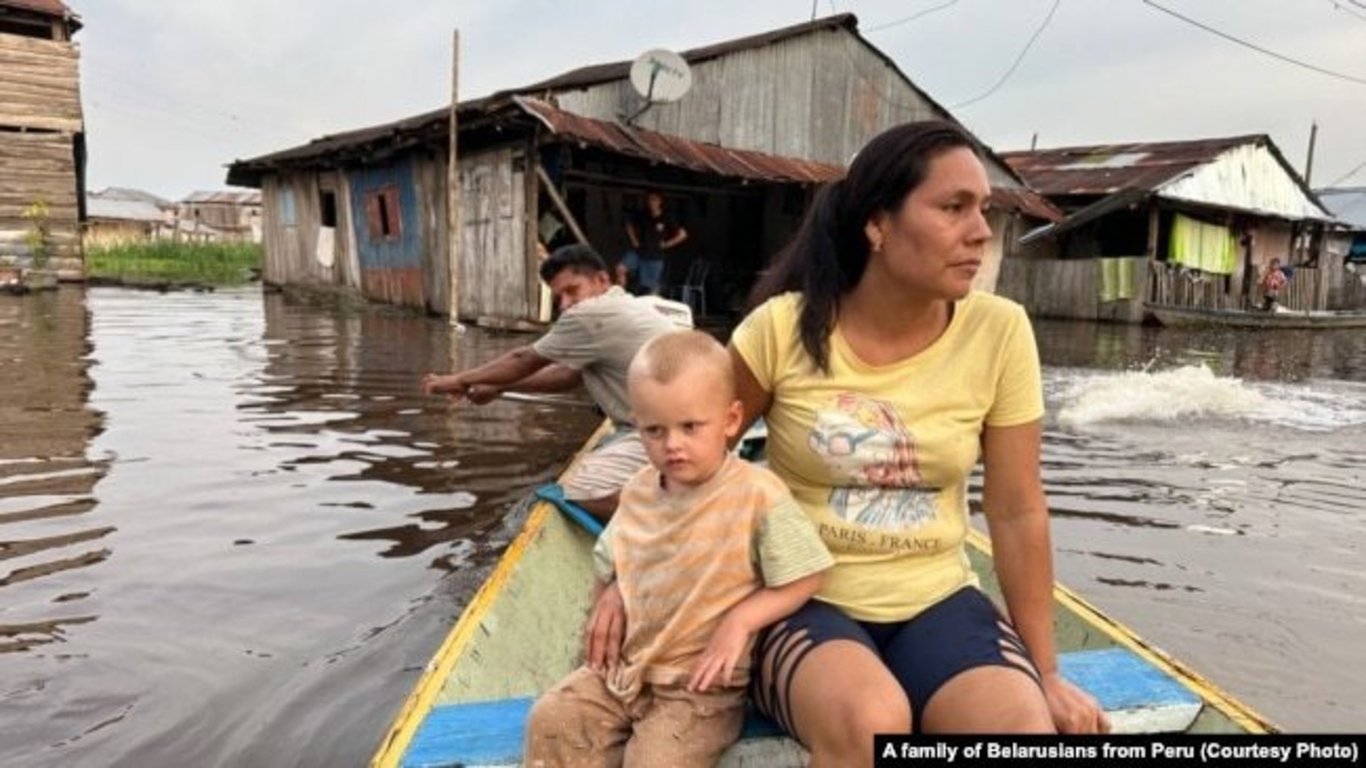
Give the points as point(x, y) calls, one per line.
point(1182, 317)
point(521, 632)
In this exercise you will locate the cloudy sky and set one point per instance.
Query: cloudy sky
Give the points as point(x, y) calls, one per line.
point(175, 89)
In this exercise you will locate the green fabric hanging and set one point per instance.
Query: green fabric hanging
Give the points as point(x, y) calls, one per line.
point(1206, 247)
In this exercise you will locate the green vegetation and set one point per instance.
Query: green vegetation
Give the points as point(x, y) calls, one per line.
point(36, 214)
point(164, 262)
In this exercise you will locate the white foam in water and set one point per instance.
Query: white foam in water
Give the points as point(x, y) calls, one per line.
point(1195, 392)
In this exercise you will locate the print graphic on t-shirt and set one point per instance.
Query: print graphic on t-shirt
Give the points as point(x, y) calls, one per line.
point(871, 458)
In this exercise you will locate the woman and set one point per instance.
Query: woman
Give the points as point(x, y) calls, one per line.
point(882, 377)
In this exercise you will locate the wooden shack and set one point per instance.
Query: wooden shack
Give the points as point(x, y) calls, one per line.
point(234, 214)
point(1191, 223)
point(42, 135)
point(768, 117)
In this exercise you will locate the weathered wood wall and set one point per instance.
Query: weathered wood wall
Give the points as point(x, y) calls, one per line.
point(39, 167)
point(40, 97)
point(494, 269)
point(819, 96)
point(291, 248)
point(39, 84)
point(1070, 288)
point(292, 251)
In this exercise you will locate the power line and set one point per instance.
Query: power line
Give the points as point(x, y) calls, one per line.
point(1347, 9)
point(910, 18)
point(1347, 175)
point(1017, 61)
point(1256, 47)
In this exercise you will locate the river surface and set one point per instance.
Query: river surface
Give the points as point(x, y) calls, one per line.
point(232, 531)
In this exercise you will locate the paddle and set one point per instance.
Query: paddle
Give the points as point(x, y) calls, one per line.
point(566, 400)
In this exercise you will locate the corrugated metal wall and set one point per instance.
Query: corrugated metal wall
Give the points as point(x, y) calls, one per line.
point(819, 96)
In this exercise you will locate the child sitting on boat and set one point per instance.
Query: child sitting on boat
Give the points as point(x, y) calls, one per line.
point(706, 550)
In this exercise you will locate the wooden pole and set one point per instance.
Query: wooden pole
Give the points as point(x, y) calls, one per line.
point(559, 204)
point(1309, 161)
point(453, 212)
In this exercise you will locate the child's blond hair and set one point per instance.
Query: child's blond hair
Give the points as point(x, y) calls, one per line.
point(665, 356)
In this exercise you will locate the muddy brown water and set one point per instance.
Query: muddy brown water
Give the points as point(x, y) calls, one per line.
point(232, 531)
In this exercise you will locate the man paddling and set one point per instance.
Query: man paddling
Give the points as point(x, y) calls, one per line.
point(599, 330)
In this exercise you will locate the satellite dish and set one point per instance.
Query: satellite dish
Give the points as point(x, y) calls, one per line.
point(660, 76)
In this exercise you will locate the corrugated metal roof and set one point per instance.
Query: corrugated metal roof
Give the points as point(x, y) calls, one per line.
point(1025, 201)
point(1106, 168)
point(245, 197)
point(733, 163)
point(248, 172)
point(98, 207)
point(1347, 204)
point(672, 150)
point(1242, 173)
point(128, 193)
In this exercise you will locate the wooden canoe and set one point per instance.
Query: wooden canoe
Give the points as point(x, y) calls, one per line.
point(521, 632)
point(1178, 317)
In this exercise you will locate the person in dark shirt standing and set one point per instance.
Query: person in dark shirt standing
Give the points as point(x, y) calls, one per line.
point(652, 233)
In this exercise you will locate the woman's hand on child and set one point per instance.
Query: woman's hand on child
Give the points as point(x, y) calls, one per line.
point(717, 665)
point(606, 627)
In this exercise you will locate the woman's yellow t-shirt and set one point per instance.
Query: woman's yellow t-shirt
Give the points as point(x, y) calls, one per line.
point(879, 456)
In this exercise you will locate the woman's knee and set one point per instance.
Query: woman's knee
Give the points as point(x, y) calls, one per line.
point(847, 726)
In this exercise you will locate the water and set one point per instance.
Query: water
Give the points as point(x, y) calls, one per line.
point(1208, 489)
point(231, 529)
point(232, 532)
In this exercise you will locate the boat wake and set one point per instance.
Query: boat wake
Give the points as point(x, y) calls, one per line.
point(1194, 392)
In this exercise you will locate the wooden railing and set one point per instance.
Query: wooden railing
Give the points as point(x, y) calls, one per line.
point(1182, 288)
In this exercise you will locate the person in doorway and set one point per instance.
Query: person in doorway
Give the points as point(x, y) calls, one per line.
point(599, 331)
point(652, 232)
point(707, 549)
point(883, 377)
point(1273, 282)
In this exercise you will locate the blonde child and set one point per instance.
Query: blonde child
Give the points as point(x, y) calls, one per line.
point(706, 550)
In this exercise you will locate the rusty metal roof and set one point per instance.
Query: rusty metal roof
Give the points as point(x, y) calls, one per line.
point(1172, 169)
point(50, 7)
point(678, 152)
point(1107, 168)
point(1026, 201)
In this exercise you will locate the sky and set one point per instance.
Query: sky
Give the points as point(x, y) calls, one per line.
point(174, 90)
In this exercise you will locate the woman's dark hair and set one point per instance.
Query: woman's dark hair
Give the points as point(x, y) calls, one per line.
point(580, 258)
point(827, 256)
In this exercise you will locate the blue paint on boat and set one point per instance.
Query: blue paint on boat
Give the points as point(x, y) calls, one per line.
point(1121, 680)
point(490, 732)
point(554, 494)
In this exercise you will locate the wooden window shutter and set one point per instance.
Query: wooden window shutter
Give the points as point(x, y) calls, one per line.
point(395, 214)
point(372, 216)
